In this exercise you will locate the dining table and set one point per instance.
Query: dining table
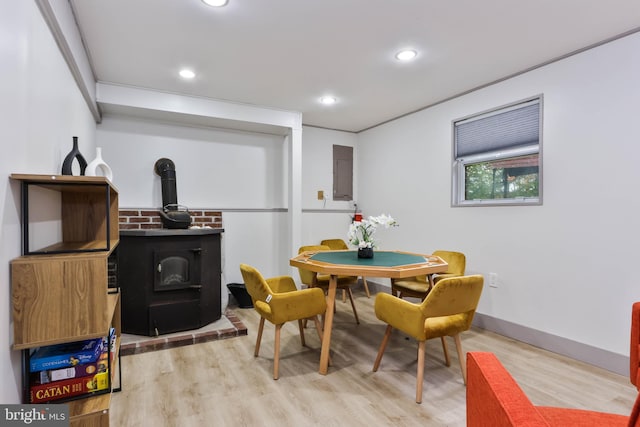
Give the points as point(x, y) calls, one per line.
point(384, 264)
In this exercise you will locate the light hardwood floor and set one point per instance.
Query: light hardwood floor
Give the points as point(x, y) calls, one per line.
point(220, 383)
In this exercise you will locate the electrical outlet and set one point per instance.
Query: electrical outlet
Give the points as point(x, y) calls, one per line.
point(320, 195)
point(493, 280)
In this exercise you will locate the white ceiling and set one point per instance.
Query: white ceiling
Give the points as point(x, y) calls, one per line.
point(287, 53)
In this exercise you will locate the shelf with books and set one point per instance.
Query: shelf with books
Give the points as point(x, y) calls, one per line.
point(60, 291)
point(76, 370)
point(69, 371)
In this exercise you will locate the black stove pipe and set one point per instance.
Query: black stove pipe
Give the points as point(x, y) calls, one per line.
point(172, 214)
point(167, 171)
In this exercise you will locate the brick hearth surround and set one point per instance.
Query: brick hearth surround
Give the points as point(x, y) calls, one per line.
point(143, 219)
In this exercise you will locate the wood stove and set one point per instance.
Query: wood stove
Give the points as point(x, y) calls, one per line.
point(169, 279)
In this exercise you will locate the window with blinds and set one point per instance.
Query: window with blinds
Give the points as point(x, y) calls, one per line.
point(498, 156)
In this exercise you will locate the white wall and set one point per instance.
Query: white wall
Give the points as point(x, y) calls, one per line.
point(214, 167)
point(568, 267)
point(324, 219)
point(317, 166)
point(40, 110)
point(244, 174)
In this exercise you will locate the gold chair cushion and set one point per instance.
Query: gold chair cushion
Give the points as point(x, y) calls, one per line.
point(435, 327)
point(411, 285)
point(343, 281)
point(336, 244)
point(307, 276)
point(418, 286)
point(447, 310)
point(456, 260)
point(400, 314)
point(292, 305)
point(285, 301)
point(438, 277)
point(280, 284)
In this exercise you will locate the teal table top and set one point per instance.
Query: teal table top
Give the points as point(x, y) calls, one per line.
point(380, 258)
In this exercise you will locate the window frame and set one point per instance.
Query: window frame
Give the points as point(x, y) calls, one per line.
point(458, 193)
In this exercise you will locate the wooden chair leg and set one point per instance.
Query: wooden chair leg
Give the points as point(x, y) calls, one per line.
point(394, 291)
point(366, 287)
point(260, 328)
point(344, 295)
point(276, 352)
point(383, 345)
point(463, 365)
point(420, 374)
point(353, 305)
point(301, 326)
point(447, 360)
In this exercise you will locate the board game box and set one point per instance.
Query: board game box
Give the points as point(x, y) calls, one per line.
point(66, 355)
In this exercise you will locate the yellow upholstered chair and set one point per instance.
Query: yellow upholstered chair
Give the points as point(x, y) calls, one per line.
point(339, 244)
point(335, 244)
point(279, 301)
point(313, 279)
point(446, 311)
point(418, 286)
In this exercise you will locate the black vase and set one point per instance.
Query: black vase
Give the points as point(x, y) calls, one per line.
point(74, 154)
point(365, 252)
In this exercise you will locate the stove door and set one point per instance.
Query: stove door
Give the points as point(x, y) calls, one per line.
point(176, 316)
point(177, 269)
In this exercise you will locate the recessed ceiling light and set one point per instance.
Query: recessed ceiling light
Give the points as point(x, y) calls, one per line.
point(216, 3)
point(406, 55)
point(187, 74)
point(328, 100)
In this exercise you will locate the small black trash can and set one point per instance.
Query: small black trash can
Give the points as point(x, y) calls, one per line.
point(239, 292)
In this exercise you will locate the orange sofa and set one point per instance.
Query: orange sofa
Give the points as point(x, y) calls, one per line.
point(494, 399)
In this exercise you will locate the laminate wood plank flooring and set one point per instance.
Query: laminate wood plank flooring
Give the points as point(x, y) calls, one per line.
point(220, 383)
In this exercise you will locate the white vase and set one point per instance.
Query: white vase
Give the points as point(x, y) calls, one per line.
point(98, 167)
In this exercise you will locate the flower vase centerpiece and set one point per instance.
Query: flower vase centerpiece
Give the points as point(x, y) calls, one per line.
point(361, 233)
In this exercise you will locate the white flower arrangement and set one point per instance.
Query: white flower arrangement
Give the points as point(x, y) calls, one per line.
point(361, 232)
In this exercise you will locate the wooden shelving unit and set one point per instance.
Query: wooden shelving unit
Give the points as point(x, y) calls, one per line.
point(89, 212)
point(59, 292)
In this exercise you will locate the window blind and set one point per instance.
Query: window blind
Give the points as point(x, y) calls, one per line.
point(512, 127)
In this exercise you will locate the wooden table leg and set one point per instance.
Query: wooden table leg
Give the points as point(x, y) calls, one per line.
point(328, 324)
